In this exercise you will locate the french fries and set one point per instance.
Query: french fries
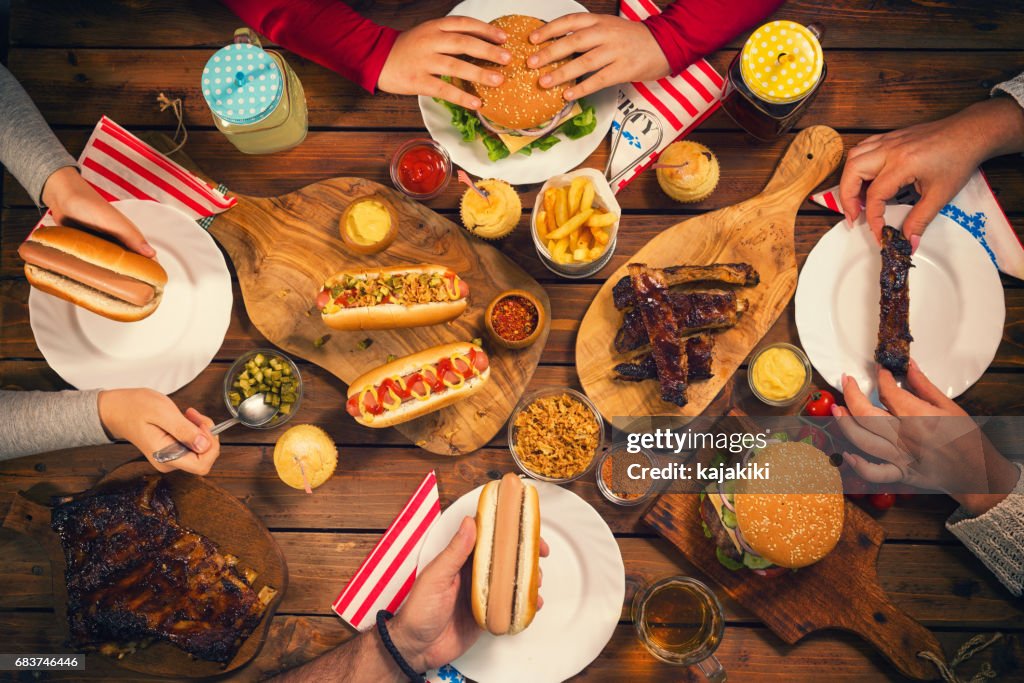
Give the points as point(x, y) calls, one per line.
point(573, 228)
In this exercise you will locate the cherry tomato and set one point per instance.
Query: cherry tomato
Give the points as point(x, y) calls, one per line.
point(882, 501)
point(819, 403)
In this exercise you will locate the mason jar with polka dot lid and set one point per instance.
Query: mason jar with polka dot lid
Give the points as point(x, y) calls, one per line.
point(775, 77)
point(256, 99)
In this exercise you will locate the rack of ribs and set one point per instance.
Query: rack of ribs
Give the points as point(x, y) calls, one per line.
point(717, 274)
point(694, 311)
point(893, 350)
point(135, 575)
point(667, 344)
point(699, 350)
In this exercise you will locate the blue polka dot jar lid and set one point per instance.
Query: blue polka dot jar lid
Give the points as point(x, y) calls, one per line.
point(242, 83)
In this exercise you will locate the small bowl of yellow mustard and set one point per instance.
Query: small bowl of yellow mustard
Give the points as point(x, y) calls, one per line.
point(779, 374)
point(369, 225)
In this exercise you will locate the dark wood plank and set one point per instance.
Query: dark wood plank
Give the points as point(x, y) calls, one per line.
point(901, 87)
point(849, 23)
point(746, 168)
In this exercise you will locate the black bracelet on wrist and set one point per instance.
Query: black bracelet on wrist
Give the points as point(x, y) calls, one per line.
point(382, 628)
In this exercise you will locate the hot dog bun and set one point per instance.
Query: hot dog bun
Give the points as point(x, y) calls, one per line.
point(389, 316)
point(505, 578)
point(412, 363)
point(110, 272)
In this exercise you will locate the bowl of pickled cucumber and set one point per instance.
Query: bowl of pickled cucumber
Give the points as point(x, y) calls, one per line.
point(267, 372)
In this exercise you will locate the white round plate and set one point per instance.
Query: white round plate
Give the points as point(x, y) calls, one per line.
point(168, 349)
point(583, 589)
point(956, 305)
point(518, 169)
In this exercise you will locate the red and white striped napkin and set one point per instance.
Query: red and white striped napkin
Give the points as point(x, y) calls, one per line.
point(975, 209)
point(386, 576)
point(651, 115)
point(121, 166)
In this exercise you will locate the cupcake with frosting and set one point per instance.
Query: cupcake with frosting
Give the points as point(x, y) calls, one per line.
point(687, 171)
point(494, 216)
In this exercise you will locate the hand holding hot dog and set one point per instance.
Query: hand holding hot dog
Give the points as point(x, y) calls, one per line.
point(151, 421)
point(74, 202)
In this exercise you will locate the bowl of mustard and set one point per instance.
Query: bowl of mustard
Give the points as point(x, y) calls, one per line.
point(779, 374)
point(369, 225)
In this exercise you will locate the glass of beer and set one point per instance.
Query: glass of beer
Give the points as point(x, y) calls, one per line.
point(681, 622)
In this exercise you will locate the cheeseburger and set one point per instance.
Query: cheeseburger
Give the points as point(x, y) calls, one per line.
point(520, 111)
point(790, 520)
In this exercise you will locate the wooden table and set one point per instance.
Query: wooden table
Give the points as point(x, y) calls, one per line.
point(888, 67)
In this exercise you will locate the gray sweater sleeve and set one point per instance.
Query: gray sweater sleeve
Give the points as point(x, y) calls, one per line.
point(1013, 87)
point(40, 421)
point(28, 148)
point(997, 537)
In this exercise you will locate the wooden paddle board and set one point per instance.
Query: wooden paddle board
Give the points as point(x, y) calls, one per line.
point(284, 248)
point(203, 507)
point(758, 231)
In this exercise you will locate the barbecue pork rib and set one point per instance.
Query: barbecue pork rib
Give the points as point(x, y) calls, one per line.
point(694, 312)
point(893, 350)
point(699, 350)
point(667, 343)
point(741, 274)
point(135, 576)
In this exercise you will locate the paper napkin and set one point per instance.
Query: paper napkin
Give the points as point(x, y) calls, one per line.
point(652, 114)
point(976, 210)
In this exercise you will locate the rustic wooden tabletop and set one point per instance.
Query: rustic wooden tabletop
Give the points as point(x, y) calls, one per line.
point(890, 65)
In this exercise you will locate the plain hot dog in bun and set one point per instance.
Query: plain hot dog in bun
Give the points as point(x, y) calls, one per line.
point(390, 298)
point(417, 384)
point(93, 273)
point(506, 570)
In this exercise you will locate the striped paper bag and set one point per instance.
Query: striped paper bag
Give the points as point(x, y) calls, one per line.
point(652, 114)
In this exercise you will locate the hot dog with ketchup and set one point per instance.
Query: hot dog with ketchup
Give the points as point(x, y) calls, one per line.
point(93, 273)
point(506, 569)
point(418, 384)
point(390, 298)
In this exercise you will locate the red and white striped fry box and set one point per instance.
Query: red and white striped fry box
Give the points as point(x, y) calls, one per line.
point(121, 166)
point(975, 209)
point(384, 579)
point(652, 114)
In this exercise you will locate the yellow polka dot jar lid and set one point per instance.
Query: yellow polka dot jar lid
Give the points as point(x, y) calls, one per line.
point(242, 83)
point(781, 62)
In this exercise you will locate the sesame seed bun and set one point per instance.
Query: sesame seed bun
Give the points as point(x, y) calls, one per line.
point(795, 517)
point(519, 103)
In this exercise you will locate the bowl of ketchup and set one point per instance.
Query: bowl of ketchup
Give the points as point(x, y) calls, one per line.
point(421, 168)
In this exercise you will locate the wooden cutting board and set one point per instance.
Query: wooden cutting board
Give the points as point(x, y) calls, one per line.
point(283, 249)
point(841, 591)
point(758, 231)
point(203, 507)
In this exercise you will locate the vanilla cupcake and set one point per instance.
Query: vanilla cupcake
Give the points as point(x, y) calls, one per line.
point(695, 173)
point(305, 454)
point(494, 217)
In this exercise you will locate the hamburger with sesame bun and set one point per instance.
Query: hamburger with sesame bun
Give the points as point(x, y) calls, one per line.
point(519, 115)
point(790, 520)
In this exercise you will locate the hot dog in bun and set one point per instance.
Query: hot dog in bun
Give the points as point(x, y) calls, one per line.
point(418, 384)
point(506, 567)
point(93, 273)
point(389, 298)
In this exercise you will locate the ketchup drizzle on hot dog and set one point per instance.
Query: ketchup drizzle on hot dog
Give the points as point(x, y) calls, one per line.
point(414, 385)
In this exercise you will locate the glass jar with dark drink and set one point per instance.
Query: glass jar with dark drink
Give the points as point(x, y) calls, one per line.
point(774, 78)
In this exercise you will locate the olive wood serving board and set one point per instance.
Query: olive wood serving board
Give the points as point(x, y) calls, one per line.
point(284, 248)
point(758, 231)
point(203, 507)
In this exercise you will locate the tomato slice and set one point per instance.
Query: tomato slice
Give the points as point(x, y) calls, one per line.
point(323, 298)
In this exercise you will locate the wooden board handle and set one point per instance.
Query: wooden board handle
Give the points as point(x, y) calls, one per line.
point(814, 153)
point(26, 517)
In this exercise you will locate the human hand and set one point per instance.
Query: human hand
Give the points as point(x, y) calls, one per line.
point(937, 158)
point(75, 202)
point(923, 439)
point(434, 625)
point(421, 55)
point(614, 50)
point(151, 421)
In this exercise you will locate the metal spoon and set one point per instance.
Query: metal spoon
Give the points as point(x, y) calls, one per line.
point(252, 412)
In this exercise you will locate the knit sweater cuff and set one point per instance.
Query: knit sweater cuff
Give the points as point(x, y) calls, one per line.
point(1013, 87)
point(996, 537)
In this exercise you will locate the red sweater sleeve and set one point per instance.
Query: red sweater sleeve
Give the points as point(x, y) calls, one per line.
point(690, 29)
point(327, 32)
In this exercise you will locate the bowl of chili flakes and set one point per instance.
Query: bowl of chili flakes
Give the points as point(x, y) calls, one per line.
point(514, 319)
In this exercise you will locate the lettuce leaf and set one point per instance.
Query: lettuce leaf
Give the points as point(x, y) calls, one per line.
point(582, 124)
